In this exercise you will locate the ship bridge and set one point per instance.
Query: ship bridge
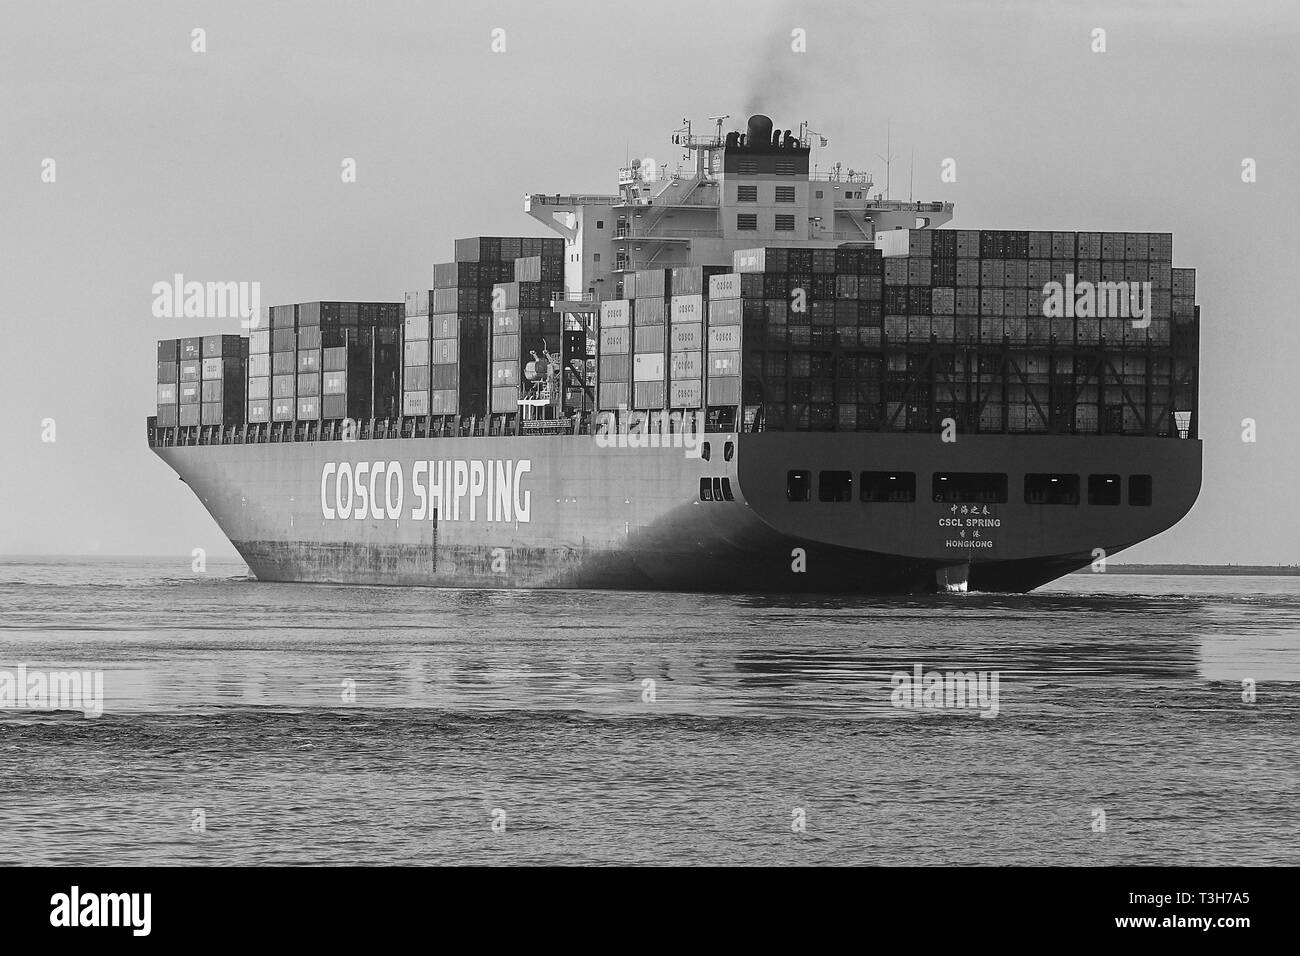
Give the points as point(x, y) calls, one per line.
point(743, 190)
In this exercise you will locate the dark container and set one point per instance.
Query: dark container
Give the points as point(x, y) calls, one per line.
point(190, 415)
point(224, 346)
point(168, 416)
point(167, 371)
point(284, 363)
point(283, 316)
point(169, 350)
point(191, 348)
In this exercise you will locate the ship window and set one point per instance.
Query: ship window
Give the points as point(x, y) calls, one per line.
point(798, 485)
point(785, 167)
point(728, 450)
point(706, 489)
point(835, 486)
point(819, 194)
point(747, 221)
point(726, 490)
point(704, 452)
point(1139, 490)
point(746, 194)
point(747, 167)
point(1103, 489)
point(717, 489)
point(600, 223)
point(785, 223)
point(1051, 489)
point(966, 487)
point(848, 195)
point(785, 194)
point(891, 486)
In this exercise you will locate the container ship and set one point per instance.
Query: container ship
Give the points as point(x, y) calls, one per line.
point(740, 375)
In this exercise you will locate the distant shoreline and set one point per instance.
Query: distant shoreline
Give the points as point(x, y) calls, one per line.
point(1251, 570)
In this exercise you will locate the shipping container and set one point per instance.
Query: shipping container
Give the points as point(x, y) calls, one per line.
point(444, 377)
point(445, 325)
point(653, 283)
point(168, 394)
point(725, 285)
point(224, 346)
point(539, 269)
point(308, 384)
point(416, 378)
point(687, 337)
point(168, 416)
point(649, 311)
point(415, 353)
point(191, 370)
point(685, 394)
point(647, 368)
point(505, 400)
point(417, 303)
point(189, 414)
point(283, 317)
point(617, 312)
point(723, 391)
point(282, 386)
point(615, 368)
point(615, 341)
point(191, 348)
point(415, 403)
point(259, 411)
point(505, 347)
point(283, 340)
point(685, 366)
point(505, 373)
point(649, 395)
point(723, 364)
point(614, 395)
point(259, 388)
point(169, 350)
point(649, 338)
point(168, 371)
point(687, 308)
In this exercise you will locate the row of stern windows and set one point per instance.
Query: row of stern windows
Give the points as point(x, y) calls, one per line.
point(899, 487)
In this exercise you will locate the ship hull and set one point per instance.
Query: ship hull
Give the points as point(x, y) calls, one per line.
point(572, 512)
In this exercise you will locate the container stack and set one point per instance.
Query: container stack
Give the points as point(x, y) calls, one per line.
point(955, 324)
point(445, 367)
point(258, 388)
point(692, 289)
point(524, 328)
point(224, 373)
point(284, 362)
point(190, 387)
point(347, 360)
point(650, 295)
point(169, 352)
point(810, 331)
point(614, 351)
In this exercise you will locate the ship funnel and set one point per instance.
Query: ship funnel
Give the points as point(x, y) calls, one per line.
point(760, 130)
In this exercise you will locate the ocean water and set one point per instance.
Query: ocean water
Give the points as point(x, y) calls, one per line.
point(305, 724)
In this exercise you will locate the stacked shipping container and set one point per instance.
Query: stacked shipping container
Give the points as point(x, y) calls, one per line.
point(936, 324)
point(169, 352)
point(223, 374)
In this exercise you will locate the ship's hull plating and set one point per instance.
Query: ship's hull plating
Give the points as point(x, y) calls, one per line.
point(568, 512)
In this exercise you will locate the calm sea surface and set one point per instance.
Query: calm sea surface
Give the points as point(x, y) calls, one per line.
point(331, 725)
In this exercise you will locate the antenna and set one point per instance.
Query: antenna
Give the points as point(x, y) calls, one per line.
point(910, 170)
point(889, 157)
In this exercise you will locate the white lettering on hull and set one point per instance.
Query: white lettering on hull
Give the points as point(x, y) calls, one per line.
point(448, 490)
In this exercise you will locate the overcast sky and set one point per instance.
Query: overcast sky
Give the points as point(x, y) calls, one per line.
point(225, 166)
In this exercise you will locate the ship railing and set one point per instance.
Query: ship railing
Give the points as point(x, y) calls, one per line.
point(573, 297)
point(572, 199)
